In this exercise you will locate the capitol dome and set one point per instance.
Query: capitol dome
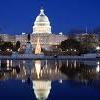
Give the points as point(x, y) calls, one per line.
point(41, 24)
point(42, 89)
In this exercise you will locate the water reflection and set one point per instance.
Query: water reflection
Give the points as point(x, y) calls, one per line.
point(40, 74)
point(42, 89)
point(81, 71)
point(38, 68)
point(98, 67)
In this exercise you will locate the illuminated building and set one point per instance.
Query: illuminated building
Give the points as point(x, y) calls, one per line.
point(41, 30)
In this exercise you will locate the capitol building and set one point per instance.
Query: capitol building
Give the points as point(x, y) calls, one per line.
point(41, 29)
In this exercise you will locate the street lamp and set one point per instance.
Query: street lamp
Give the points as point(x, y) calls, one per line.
point(97, 48)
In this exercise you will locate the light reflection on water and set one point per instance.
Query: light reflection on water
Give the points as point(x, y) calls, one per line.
point(41, 75)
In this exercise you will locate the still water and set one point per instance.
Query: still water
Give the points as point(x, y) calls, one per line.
point(49, 79)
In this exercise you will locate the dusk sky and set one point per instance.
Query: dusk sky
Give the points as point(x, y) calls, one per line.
point(17, 16)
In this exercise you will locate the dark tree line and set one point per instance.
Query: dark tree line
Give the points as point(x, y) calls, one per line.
point(6, 47)
point(71, 45)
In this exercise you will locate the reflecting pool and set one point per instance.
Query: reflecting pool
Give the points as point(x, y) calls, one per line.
point(49, 80)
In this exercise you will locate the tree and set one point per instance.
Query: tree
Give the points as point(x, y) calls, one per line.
point(70, 44)
point(6, 45)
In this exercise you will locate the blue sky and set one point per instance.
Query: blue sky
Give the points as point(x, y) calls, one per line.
point(18, 16)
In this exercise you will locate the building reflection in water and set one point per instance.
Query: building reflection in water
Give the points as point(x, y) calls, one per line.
point(42, 89)
point(41, 73)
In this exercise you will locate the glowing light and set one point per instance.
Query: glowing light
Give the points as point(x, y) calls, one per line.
point(60, 81)
point(38, 47)
point(8, 64)
point(18, 49)
point(60, 33)
point(23, 33)
point(67, 63)
point(75, 64)
point(8, 49)
point(71, 49)
point(97, 48)
point(75, 50)
point(23, 81)
point(98, 67)
point(38, 68)
point(98, 62)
